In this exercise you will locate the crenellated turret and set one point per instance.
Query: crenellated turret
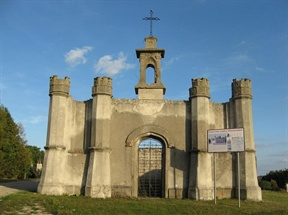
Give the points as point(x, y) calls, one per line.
point(102, 86)
point(200, 88)
point(59, 87)
point(241, 89)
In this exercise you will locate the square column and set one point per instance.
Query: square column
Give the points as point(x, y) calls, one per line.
point(98, 183)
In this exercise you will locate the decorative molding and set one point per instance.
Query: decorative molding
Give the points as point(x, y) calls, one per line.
point(150, 130)
point(197, 151)
point(76, 151)
point(57, 147)
point(100, 149)
point(250, 150)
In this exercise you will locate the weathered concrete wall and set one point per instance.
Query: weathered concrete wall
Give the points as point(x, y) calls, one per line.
point(65, 167)
point(75, 147)
point(226, 164)
point(130, 114)
point(92, 146)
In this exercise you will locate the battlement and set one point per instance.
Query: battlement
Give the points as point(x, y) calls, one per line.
point(241, 88)
point(102, 85)
point(200, 88)
point(59, 87)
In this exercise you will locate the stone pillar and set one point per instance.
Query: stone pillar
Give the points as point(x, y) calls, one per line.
point(53, 172)
point(242, 99)
point(98, 184)
point(200, 177)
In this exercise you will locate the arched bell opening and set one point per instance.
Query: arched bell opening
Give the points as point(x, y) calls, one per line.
point(150, 75)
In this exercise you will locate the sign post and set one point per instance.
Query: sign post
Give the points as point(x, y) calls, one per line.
point(226, 140)
point(215, 194)
point(238, 168)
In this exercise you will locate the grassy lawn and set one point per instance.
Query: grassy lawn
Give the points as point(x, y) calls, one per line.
point(273, 203)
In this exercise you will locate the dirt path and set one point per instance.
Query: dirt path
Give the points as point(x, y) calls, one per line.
point(15, 186)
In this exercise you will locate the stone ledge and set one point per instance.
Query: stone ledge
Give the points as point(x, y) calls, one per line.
point(100, 149)
point(57, 147)
point(76, 151)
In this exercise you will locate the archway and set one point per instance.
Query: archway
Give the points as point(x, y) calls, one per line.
point(150, 75)
point(151, 168)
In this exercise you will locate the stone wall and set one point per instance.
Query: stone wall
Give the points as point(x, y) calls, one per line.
point(92, 146)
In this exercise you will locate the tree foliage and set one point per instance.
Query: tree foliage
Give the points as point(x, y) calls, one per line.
point(278, 178)
point(265, 185)
point(274, 185)
point(15, 157)
point(37, 157)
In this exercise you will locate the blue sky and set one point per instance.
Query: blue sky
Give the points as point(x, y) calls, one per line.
point(219, 40)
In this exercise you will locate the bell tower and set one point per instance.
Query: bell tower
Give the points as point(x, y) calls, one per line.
point(150, 57)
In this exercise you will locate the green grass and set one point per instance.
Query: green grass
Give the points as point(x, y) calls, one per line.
point(273, 203)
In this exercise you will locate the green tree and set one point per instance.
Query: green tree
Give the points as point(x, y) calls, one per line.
point(274, 185)
point(37, 156)
point(280, 176)
point(13, 156)
point(265, 185)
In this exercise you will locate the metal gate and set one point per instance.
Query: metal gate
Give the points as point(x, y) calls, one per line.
point(150, 160)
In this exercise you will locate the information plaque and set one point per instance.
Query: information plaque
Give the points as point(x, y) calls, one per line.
point(226, 140)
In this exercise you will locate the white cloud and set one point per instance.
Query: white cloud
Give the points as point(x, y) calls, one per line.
point(108, 66)
point(242, 42)
point(76, 56)
point(236, 60)
point(263, 145)
point(171, 61)
point(260, 69)
point(37, 119)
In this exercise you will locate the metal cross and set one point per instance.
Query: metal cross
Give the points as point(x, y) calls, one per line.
point(151, 18)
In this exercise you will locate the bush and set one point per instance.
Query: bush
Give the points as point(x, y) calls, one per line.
point(265, 185)
point(274, 185)
point(280, 176)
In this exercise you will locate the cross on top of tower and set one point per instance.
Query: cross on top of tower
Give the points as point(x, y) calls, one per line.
point(151, 18)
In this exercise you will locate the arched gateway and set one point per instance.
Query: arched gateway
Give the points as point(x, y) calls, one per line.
point(151, 146)
point(148, 146)
point(151, 174)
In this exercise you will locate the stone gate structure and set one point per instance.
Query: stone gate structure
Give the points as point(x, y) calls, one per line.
point(93, 146)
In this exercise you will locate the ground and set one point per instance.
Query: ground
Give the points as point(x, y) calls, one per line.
point(16, 186)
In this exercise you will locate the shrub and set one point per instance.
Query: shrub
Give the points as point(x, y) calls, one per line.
point(274, 185)
point(265, 185)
